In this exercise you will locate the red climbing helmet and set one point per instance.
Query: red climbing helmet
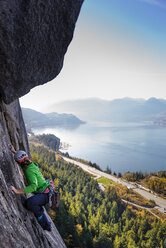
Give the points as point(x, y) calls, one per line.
point(20, 156)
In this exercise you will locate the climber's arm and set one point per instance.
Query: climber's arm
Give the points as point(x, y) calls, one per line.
point(17, 191)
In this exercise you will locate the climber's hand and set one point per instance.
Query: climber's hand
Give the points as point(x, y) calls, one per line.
point(17, 191)
point(11, 147)
point(13, 189)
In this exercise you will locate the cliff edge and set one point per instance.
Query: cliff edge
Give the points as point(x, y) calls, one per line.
point(18, 227)
point(34, 36)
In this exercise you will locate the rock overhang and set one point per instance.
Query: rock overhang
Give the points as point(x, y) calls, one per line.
point(34, 37)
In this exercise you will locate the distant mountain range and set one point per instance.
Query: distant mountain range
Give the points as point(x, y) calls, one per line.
point(34, 119)
point(119, 110)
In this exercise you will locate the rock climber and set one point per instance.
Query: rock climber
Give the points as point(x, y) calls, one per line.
point(37, 185)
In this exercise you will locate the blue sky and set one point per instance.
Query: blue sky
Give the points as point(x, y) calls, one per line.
point(142, 19)
point(118, 50)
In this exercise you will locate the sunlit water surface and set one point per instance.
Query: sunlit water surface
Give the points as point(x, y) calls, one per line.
point(123, 147)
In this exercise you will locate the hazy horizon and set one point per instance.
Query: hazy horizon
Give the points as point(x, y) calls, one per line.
point(46, 109)
point(128, 109)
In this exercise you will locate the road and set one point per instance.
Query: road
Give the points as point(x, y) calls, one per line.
point(135, 205)
point(160, 202)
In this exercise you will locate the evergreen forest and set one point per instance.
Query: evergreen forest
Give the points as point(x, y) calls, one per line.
point(90, 218)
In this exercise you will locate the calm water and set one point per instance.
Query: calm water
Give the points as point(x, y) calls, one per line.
point(123, 147)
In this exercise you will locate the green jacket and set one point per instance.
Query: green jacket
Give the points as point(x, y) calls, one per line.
point(35, 179)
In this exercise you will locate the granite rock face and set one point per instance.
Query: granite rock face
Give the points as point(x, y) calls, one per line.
point(18, 227)
point(34, 36)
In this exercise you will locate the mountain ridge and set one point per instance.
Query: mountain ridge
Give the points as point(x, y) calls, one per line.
point(34, 119)
point(123, 109)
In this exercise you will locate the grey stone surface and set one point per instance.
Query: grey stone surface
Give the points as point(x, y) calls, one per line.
point(18, 227)
point(34, 36)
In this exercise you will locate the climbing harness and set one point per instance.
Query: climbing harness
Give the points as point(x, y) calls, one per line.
point(54, 196)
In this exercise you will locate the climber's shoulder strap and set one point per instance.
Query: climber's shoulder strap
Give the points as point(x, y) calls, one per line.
point(36, 164)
